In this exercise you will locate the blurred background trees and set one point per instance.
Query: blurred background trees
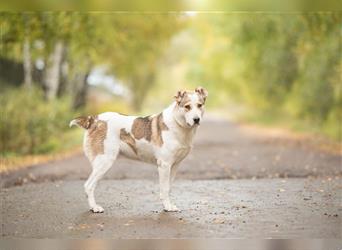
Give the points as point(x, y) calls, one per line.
point(273, 67)
point(53, 53)
point(282, 69)
point(285, 65)
point(67, 45)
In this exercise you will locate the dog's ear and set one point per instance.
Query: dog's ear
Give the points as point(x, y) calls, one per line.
point(179, 96)
point(202, 92)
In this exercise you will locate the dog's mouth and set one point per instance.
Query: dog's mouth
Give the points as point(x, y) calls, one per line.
point(189, 125)
point(193, 125)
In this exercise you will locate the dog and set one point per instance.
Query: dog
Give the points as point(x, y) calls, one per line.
point(163, 139)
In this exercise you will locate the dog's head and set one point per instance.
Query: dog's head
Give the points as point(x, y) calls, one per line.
point(190, 106)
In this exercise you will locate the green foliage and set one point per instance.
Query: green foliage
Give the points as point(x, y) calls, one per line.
point(285, 64)
point(129, 44)
point(140, 41)
point(119, 105)
point(279, 66)
point(30, 125)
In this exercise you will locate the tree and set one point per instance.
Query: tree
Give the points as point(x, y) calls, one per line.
point(130, 44)
point(136, 45)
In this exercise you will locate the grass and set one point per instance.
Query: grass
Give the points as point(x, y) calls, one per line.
point(32, 128)
point(287, 122)
point(320, 136)
point(34, 131)
point(68, 144)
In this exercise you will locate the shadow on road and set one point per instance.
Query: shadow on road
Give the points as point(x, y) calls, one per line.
point(157, 223)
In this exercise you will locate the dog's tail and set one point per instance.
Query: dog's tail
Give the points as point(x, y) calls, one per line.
point(83, 121)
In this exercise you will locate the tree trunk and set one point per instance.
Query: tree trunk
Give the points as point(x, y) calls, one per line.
point(53, 71)
point(27, 64)
point(140, 86)
point(81, 89)
point(64, 75)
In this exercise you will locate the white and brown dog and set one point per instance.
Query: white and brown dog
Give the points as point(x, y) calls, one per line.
point(164, 139)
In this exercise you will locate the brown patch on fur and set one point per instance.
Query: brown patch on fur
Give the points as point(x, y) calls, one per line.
point(127, 138)
point(158, 126)
point(182, 98)
point(96, 136)
point(149, 128)
point(85, 121)
point(201, 100)
point(179, 95)
point(202, 93)
point(141, 128)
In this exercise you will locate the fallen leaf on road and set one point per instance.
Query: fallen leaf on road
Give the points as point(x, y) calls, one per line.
point(32, 176)
point(83, 226)
point(218, 221)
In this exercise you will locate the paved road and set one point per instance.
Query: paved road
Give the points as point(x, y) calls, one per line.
point(237, 182)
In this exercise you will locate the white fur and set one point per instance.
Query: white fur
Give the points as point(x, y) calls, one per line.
point(72, 123)
point(177, 145)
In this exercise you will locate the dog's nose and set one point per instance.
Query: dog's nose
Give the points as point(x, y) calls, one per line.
point(196, 120)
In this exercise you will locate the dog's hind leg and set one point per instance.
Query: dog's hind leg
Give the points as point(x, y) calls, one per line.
point(101, 164)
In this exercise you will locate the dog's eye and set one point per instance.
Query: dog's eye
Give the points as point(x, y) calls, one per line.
point(199, 105)
point(188, 107)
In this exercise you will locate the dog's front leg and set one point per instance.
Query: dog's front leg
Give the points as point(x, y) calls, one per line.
point(164, 171)
point(174, 172)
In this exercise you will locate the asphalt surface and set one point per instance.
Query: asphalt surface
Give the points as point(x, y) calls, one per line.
point(237, 182)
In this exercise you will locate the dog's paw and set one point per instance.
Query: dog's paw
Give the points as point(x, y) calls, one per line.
point(97, 209)
point(171, 208)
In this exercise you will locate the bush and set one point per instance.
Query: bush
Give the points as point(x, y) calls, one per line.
point(286, 67)
point(29, 124)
